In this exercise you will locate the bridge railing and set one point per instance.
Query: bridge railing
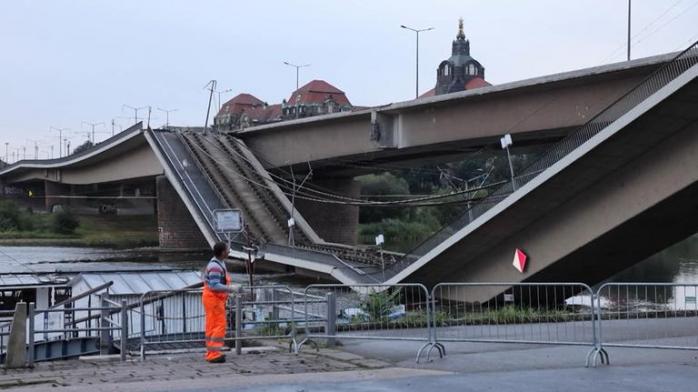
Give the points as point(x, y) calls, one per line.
point(648, 86)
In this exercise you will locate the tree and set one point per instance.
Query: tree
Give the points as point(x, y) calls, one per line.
point(83, 147)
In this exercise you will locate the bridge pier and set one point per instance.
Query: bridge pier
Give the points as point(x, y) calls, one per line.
point(52, 193)
point(176, 227)
point(333, 222)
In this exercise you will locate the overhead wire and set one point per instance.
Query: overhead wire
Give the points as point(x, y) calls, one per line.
point(355, 202)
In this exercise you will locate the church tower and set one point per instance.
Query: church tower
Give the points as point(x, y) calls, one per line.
point(460, 69)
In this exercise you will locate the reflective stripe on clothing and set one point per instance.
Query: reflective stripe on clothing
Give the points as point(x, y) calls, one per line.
point(216, 323)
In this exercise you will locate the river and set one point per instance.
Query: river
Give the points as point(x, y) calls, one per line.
point(677, 264)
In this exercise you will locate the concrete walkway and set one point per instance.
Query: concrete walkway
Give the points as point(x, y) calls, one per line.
point(373, 366)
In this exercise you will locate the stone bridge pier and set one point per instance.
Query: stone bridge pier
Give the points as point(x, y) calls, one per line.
point(176, 227)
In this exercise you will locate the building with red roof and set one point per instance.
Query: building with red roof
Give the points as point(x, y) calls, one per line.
point(315, 98)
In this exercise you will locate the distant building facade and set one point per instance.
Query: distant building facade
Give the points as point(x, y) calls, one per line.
point(460, 71)
point(314, 98)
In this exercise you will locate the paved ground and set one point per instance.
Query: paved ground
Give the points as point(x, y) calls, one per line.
point(373, 366)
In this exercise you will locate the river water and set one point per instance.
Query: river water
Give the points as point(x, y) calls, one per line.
point(677, 264)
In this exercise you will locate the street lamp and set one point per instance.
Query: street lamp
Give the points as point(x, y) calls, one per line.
point(219, 92)
point(417, 31)
point(60, 139)
point(506, 142)
point(93, 125)
point(135, 111)
point(167, 115)
point(297, 67)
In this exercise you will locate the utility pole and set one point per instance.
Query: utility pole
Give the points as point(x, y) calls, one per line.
point(417, 31)
point(168, 111)
point(7, 153)
point(135, 111)
point(297, 67)
point(211, 87)
point(93, 125)
point(630, 4)
point(60, 139)
point(67, 146)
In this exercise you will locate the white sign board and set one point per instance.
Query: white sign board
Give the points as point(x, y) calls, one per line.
point(228, 221)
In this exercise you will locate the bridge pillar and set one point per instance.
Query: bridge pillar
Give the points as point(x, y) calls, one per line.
point(333, 222)
point(53, 192)
point(176, 227)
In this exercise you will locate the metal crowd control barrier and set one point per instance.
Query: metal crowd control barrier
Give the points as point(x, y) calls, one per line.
point(648, 315)
point(367, 311)
point(523, 313)
point(176, 318)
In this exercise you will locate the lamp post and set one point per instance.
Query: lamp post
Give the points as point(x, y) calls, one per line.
point(135, 111)
point(297, 67)
point(219, 92)
point(417, 31)
point(167, 115)
point(630, 6)
point(93, 125)
point(506, 142)
point(60, 139)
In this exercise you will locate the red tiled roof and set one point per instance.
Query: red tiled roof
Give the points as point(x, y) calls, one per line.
point(262, 114)
point(241, 102)
point(429, 93)
point(476, 82)
point(317, 91)
point(473, 83)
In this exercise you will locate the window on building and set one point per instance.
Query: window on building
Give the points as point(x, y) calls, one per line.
point(446, 69)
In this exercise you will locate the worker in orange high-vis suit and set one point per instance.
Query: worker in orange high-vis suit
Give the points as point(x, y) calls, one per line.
point(217, 286)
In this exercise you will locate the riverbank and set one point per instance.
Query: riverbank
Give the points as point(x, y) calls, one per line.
point(103, 231)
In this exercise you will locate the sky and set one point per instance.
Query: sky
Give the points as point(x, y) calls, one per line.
point(64, 63)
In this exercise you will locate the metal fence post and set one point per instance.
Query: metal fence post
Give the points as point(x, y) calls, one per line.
point(30, 338)
point(331, 330)
point(142, 329)
point(124, 330)
point(238, 324)
point(104, 333)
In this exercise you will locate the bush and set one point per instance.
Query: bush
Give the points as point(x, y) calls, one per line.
point(378, 305)
point(9, 216)
point(64, 223)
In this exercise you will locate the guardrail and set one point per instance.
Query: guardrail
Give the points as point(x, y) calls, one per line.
point(106, 329)
point(177, 317)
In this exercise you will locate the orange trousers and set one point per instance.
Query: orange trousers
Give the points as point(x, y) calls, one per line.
point(216, 324)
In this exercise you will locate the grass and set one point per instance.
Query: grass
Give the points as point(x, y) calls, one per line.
point(94, 231)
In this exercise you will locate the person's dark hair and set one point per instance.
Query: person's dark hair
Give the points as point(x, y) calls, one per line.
point(219, 248)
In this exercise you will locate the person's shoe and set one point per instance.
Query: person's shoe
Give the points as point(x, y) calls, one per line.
point(220, 359)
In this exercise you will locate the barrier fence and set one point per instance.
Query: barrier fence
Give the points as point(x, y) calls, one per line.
point(176, 318)
point(629, 315)
point(523, 313)
point(648, 315)
point(367, 311)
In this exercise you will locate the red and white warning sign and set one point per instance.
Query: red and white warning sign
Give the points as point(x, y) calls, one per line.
point(520, 260)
